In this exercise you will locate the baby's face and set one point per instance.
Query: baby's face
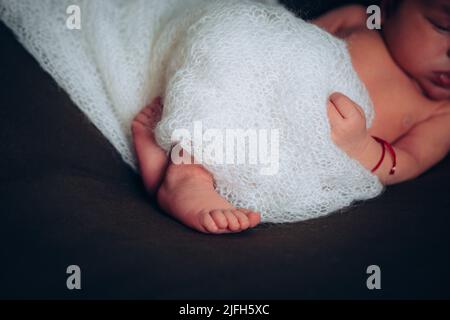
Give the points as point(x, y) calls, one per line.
point(417, 34)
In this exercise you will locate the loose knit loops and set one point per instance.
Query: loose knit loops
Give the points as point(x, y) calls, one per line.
point(235, 64)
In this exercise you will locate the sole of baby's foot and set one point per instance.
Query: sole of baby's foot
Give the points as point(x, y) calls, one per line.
point(151, 158)
point(187, 193)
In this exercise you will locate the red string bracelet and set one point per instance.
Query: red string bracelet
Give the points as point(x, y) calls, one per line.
point(384, 144)
point(382, 154)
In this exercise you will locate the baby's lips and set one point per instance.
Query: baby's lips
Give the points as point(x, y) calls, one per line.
point(445, 78)
point(442, 79)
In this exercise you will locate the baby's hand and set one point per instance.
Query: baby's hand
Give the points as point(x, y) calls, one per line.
point(348, 125)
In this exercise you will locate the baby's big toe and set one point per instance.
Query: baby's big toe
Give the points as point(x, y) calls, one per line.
point(253, 217)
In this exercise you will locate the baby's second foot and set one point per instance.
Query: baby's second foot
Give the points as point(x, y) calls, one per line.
point(153, 160)
point(188, 194)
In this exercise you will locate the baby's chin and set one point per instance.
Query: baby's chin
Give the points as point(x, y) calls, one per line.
point(433, 91)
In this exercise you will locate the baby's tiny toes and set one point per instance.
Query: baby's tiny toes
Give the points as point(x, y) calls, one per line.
point(233, 222)
point(242, 218)
point(151, 112)
point(208, 223)
point(253, 217)
point(157, 102)
point(219, 218)
point(140, 118)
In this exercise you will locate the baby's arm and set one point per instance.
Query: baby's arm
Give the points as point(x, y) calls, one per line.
point(421, 148)
point(342, 20)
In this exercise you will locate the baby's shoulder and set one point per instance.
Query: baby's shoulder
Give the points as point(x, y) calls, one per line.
point(368, 44)
point(373, 61)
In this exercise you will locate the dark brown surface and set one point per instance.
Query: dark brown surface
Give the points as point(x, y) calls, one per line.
point(67, 198)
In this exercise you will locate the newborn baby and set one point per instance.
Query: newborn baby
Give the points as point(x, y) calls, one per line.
point(406, 70)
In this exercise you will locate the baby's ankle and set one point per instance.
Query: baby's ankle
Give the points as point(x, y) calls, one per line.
point(177, 173)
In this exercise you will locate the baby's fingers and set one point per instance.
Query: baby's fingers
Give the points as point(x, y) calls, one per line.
point(333, 115)
point(345, 107)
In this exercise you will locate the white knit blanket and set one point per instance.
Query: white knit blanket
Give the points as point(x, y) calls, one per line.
point(235, 66)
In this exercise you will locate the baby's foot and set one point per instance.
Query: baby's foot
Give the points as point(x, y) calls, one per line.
point(153, 160)
point(187, 193)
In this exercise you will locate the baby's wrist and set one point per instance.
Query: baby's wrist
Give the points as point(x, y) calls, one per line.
point(358, 150)
point(368, 152)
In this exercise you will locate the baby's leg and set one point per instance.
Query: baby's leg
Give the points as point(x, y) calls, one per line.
point(187, 193)
point(184, 191)
point(153, 160)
